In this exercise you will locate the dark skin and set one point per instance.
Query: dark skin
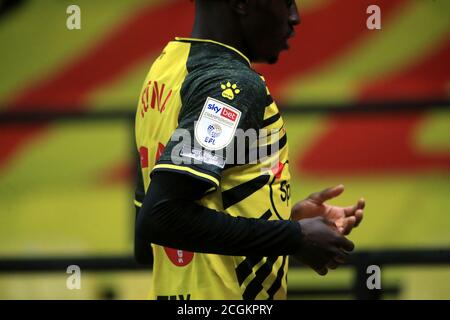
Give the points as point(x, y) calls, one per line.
point(260, 29)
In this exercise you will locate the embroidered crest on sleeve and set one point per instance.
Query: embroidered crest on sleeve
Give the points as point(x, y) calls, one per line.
point(230, 91)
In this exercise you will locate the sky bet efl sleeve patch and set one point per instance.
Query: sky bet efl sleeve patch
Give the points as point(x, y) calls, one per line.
point(216, 125)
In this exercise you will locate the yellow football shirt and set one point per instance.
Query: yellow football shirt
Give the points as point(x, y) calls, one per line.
point(196, 98)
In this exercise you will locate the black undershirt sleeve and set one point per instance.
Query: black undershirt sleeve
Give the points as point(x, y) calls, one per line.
point(171, 217)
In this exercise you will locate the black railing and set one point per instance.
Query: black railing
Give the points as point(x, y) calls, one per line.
point(45, 115)
point(358, 261)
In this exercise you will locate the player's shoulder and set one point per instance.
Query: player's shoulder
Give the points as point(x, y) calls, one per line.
point(230, 83)
point(209, 63)
point(225, 78)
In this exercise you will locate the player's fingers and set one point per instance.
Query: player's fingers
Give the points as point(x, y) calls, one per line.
point(331, 224)
point(333, 265)
point(345, 243)
point(327, 194)
point(358, 216)
point(361, 203)
point(339, 255)
point(341, 259)
point(349, 225)
point(321, 271)
point(351, 210)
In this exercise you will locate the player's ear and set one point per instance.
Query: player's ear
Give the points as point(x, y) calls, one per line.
point(241, 7)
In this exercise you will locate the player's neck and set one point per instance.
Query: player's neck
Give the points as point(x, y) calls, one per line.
point(217, 25)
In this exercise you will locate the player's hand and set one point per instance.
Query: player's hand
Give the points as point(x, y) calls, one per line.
point(323, 247)
point(345, 218)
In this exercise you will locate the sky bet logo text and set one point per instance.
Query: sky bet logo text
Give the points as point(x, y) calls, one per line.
point(225, 112)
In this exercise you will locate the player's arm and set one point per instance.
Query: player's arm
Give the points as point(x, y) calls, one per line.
point(171, 217)
point(142, 249)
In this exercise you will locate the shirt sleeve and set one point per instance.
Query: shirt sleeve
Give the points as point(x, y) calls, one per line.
point(215, 110)
point(173, 219)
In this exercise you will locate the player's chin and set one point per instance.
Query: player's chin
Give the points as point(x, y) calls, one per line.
point(273, 59)
point(276, 55)
point(270, 58)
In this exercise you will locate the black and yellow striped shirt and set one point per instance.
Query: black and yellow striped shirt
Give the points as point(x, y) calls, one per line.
point(197, 96)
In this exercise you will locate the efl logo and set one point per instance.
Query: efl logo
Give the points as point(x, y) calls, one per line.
point(227, 113)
